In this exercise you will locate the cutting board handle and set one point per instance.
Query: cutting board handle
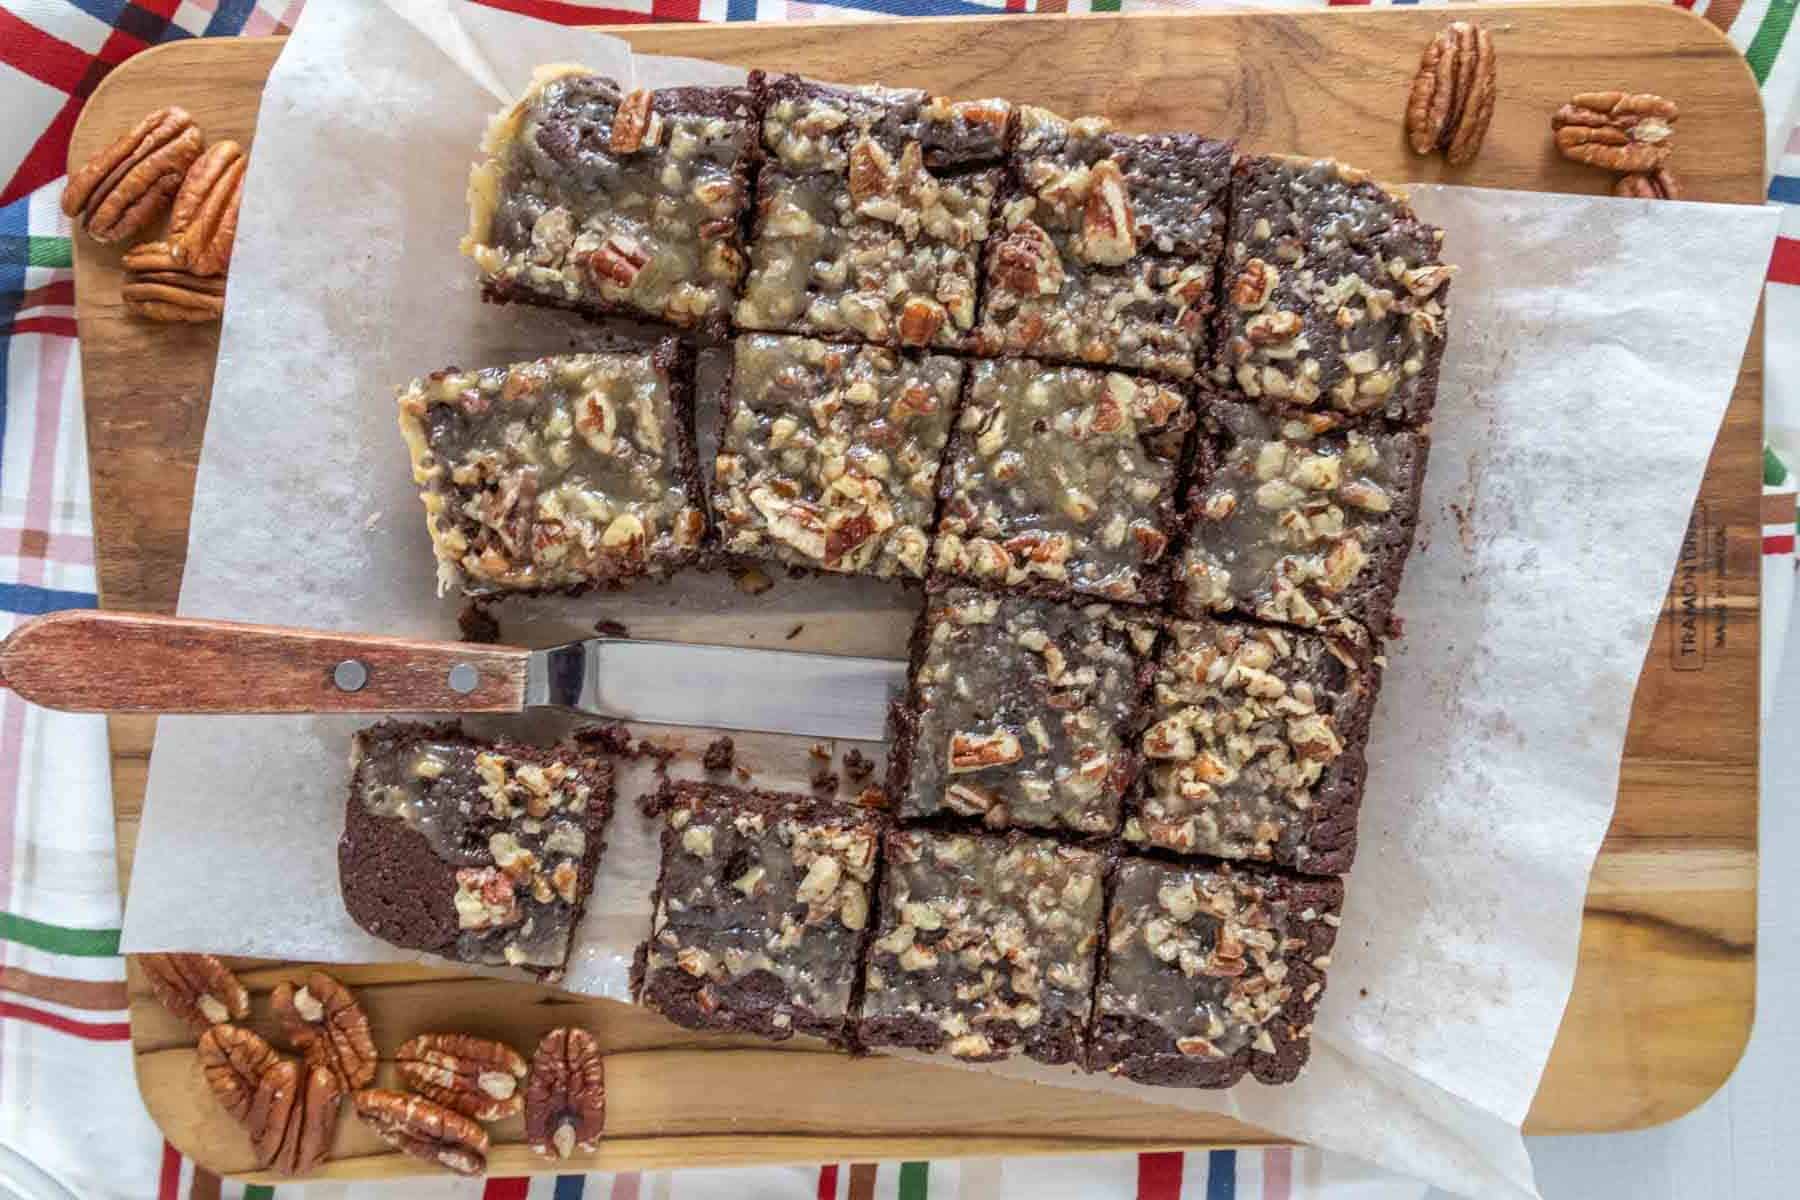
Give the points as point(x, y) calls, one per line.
point(93, 661)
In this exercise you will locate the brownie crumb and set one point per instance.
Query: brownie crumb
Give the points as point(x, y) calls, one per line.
point(610, 738)
point(743, 774)
point(857, 765)
point(718, 756)
point(794, 632)
point(607, 627)
point(820, 750)
point(477, 624)
point(824, 779)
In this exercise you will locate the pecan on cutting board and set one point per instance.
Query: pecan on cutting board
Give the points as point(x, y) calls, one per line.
point(198, 988)
point(1451, 101)
point(416, 1126)
point(1659, 184)
point(293, 1116)
point(1621, 131)
point(126, 186)
point(324, 1022)
point(565, 1100)
point(233, 1061)
point(476, 1077)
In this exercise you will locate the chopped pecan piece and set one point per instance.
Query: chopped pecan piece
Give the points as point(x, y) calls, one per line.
point(1452, 97)
point(325, 1023)
point(872, 171)
point(416, 1126)
point(919, 321)
point(476, 1077)
point(618, 259)
point(198, 988)
point(1617, 130)
point(233, 1060)
point(1108, 229)
point(293, 1116)
point(1027, 262)
point(565, 1101)
point(635, 124)
point(977, 751)
point(127, 185)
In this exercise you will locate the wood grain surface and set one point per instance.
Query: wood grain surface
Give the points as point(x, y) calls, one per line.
point(1663, 994)
point(147, 662)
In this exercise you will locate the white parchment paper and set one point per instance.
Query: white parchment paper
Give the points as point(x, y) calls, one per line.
point(1593, 347)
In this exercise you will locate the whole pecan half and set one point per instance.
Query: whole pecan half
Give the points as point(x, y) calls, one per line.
point(174, 297)
point(203, 223)
point(293, 1116)
point(416, 1126)
point(1620, 131)
point(325, 1023)
point(198, 988)
point(1452, 96)
point(476, 1077)
point(565, 1101)
point(233, 1060)
point(129, 184)
point(1659, 184)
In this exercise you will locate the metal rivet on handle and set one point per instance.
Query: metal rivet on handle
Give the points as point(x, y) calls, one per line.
point(463, 678)
point(350, 675)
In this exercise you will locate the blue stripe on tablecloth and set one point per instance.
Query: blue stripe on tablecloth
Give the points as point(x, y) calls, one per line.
point(1785, 189)
point(570, 1187)
point(24, 598)
point(105, 11)
point(917, 8)
point(15, 254)
point(1221, 1174)
point(740, 10)
point(229, 17)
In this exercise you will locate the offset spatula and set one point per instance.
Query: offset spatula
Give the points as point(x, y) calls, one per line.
point(91, 661)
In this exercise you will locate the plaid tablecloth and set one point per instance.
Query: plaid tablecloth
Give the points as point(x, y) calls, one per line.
point(69, 1107)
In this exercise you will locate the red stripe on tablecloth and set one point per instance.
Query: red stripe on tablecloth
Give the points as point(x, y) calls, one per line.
point(1784, 264)
point(93, 1031)
point(38, 54)
point(1278, 1174)
point(828, 1182)
point(506, 1189)
point(627, 1185)
point(1780, 543)
point(49, 156)
point(572, 14)
point(50, 326)
point(58, 293)
point(1159, 1175)
point(168, 1183)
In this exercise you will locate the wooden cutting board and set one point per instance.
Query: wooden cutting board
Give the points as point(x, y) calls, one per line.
point(1663, 998)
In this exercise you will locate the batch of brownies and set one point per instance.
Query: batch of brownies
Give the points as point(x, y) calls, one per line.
point(1146, 419)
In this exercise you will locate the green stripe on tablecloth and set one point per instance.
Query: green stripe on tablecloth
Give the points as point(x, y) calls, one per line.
point(1775, 471)
point(915, 1180)
point(59, 939)
point(1769, 36)
point(1104, 6)
point(49, 252)
point(258, 1191)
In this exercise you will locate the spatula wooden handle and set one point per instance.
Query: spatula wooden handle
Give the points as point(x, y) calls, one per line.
point(93, 661)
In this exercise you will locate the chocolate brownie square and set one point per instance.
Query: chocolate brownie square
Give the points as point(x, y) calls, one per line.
point(1211, 973)
point(1255, 747)
point(1019, 711)
point(613, 203)
point(560, 474)
point(1300, 522)
point(829, 454)
point(986, 946)
point(1061, 479)
point(871, 213)
point(759, 913)
point(479, 851)
point(1108, 245)
point(1335, 293)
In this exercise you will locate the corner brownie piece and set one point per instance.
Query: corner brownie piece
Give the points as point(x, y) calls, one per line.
point(614, 203)
point(1210, 973)
point(1019, 711)
point(1109, 245)
point(563, 473)
point(759, 911)
point(1335, 292)
point(829, 454)
point(1256, 746)
point(1061, 479)
point(986, 947)
point(1299, 522)
point(479, 851)
point(871, 212)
